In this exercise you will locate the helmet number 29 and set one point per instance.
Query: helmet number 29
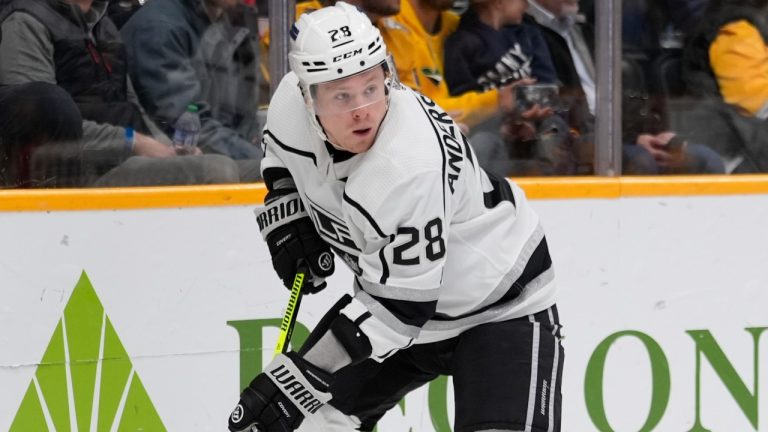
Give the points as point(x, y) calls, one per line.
point(340, 33)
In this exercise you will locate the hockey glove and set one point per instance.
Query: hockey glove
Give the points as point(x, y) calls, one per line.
point(291, 238)
point(279, 398)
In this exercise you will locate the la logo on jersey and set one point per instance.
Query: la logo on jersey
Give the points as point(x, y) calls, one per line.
point(332, 228)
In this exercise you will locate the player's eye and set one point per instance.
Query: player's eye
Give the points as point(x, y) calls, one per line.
point(341, 97)
point(371, 89)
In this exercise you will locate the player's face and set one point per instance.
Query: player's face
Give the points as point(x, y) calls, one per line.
point(351, 110)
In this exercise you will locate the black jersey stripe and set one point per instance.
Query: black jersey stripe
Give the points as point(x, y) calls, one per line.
point(291, 149)
point(539, 262)
point(403, 316)
point(410, 313)
point(439, 141)
point(382, 257)
point(406, 312)
point(384, 266)
point(468, 150)
point(363, 212)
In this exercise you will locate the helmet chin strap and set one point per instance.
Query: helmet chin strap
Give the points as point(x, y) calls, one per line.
point(325, 136)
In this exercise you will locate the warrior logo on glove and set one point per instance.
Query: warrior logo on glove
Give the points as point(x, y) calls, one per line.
point(291, 385)
point(237, 414)
point(325, 261)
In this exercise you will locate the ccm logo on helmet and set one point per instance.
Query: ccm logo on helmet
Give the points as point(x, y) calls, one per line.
point(347, 55)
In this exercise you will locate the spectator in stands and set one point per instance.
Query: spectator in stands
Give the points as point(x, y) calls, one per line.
point(416, 38)
point(35, 119)
point(570, 43)
point(40, 130)
point(480, 56)
point(72, 44)
point(654, 151)
point(726, 65)
point(528, 35)
point(183, 52)
point(650, 147)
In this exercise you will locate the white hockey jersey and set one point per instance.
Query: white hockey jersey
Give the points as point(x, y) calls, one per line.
point(409, 217)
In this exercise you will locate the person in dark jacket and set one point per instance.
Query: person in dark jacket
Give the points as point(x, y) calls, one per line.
point(185, 52)
point(492, 47)
point(72, 44)
point(40, 126)
point(40, 130)
point(480, 55)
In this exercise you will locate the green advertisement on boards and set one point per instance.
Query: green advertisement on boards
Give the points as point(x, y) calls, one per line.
point(85, 380)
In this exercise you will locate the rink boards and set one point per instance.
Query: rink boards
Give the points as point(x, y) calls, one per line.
point(149, 309)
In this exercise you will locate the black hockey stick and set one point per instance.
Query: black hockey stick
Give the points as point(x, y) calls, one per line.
point(289, 319)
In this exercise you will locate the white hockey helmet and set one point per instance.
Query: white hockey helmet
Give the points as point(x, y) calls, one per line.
point(332, 44)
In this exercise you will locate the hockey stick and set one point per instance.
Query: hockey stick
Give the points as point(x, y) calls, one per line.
point(291, 311)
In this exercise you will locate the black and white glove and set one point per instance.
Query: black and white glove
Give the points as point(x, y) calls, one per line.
point(292, 238)
point(279, 398)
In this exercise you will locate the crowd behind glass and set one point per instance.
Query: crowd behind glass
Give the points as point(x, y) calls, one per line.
point(106, 93)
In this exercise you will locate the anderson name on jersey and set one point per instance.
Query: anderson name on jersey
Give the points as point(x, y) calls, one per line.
point(409, 217)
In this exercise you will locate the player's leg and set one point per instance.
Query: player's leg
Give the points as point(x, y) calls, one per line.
point(370, 389)
point(507, 375)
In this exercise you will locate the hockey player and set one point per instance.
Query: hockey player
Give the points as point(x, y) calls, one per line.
point(452, 272)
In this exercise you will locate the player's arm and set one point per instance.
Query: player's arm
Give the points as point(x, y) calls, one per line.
point(290, 387)
point(286, 227)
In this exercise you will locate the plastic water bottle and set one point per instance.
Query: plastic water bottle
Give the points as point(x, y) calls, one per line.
point(187, 130)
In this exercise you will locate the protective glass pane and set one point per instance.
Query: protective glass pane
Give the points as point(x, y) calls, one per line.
point(695, 80)
point(144, 103)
